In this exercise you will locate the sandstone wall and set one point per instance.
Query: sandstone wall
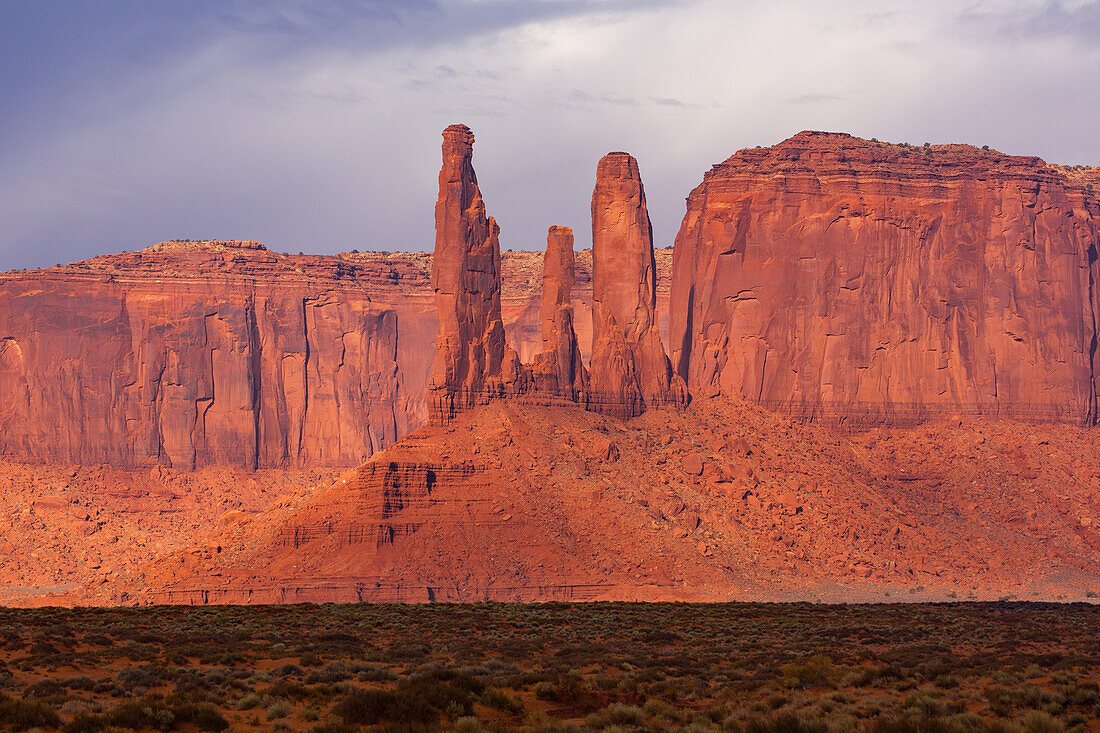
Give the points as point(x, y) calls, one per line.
point(196, 353)
point(833, 277)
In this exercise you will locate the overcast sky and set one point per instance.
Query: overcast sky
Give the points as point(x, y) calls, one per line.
point(127, 122)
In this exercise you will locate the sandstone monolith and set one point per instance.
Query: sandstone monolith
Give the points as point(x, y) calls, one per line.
point(558, 369)
point(629, 369)
point(471, 352)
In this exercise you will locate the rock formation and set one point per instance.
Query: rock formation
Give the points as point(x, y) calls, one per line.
point(718, 501)
point(218, 365)
point(558, 369)
point(471, 355)
point(83, 324)
point(629, 369)
point(833, 277)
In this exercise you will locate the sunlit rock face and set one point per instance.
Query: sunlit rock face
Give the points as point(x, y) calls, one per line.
point(833, 277)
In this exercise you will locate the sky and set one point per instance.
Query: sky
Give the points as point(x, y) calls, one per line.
point(315, 126)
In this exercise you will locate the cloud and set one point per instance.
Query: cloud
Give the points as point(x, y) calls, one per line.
point(316, 127)
point(1077, 21)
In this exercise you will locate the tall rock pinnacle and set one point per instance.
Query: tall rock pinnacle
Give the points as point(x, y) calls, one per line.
point(558, 369)
point(471, 350)
point(629, 368)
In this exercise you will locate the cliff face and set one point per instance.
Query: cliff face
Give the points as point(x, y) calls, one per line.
point(98, 326)
point(231, 356)
point(829, 276)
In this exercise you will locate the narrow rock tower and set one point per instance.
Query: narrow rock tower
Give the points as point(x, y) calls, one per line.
point(629, 368)
point(558, 368)
point(471, 351)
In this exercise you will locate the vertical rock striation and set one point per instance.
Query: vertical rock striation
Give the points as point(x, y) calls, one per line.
point(239, 360)
point(472, 358)
point(629, 370)
point(846, 279)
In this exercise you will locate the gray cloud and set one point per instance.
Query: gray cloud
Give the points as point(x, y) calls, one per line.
point(1078, 22)
point(317, 128)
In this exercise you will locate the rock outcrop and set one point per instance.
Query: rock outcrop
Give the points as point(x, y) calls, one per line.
point(83, 324)
point(839, 278)
point(717, 501)
point(629, 369)
point(220, 367)
point(558, 368)
point(472, 354)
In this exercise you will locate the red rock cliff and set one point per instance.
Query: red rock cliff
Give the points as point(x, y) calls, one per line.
point(834, 277)
point(223, 355)
point(629, 368)
point(96, 324)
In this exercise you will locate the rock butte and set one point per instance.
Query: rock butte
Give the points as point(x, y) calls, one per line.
point(106, 325)
point(826, 277)
point(832, 277)
point(558, 369)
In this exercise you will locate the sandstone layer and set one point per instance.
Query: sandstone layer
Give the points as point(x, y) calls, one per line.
point(100, 324)
point(629, 368)
point(471, 348)
point(834, 277)
point(721, 500)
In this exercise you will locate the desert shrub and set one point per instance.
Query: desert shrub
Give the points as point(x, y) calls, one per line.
point(278, 710)
point(817, 671)
point(44, 688)
point(287, 670)
point(309, 659)
point(80, 683)
point(248, 702)
point(20, 715)
point(616, 714)
point(136, 678)
point(420, 700)
point(566, 688)
point(468, 724)
point(1036, 721)
point(331, 672)
point(785, 723)
point(288, 690)
point(203, 716)
point(155, 713)
point(139, 714)
point(371, 673)
point(365, 707)
point(498, 699)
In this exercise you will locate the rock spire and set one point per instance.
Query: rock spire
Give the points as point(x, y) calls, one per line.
point(471, 352)
point(558, 368)
point(629, 368)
